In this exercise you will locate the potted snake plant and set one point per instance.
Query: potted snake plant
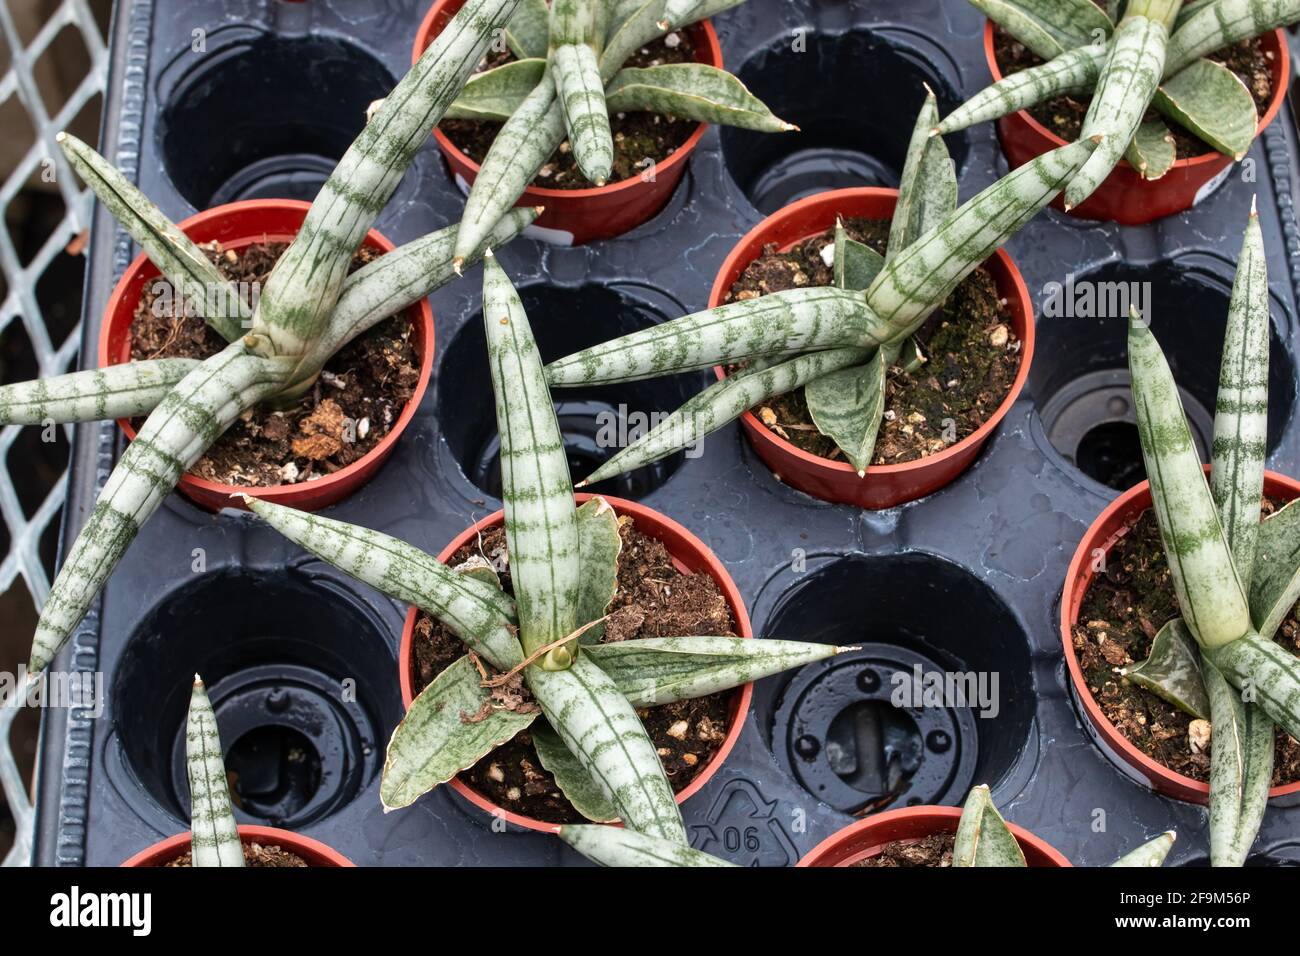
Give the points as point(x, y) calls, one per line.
point(1215, 72)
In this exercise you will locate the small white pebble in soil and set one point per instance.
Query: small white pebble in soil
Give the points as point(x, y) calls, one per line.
point(513, 794)
point(890, 415)
point(363, 428)
point(672, 41)
point(828, 254)
point(621, 116)
point(547, 171)
point(496, 773)
point(231, 257)
point(678, 730)
point(767, 415)
point(663, 751)
point(1198, 736)
point(332, 380)
point(289, 473)
point(999, 336)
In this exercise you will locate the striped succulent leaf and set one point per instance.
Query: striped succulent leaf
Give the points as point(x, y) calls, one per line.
point(116, 391)
point(587, 796)
point(181, 428)
point(1210, 100)
point(784, 323)
point(1124, 91)
point(678, 13)
point(847, 405)
point(723, 402)
point(495, 94)
point(529, 30)
point(651, 671)
point(646, 24)
point(1173, 670)
point(1214, 25)
point(301, 291)
point(577, 36)
point(448, 728)
point(983, 837)
point(1190, 7)
point(1241, 770)
point(855, 265)
point(476, 611)
point(615, 846)
point(1266, 674)
point(541, 530)
point(1048, 27)
point(1075, 71)
point(601, 729)
point(620, 11)
point(1275, 581)
point(214, 836)
point(1151, 853)
point(915, 283)
point(1200, 561)
point(1152, 151)
point(181, 262)
point(1241, 409)
point(599, 545)
point(927, 191)
point(694, 91)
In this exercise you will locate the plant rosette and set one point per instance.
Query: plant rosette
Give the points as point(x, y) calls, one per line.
point(883, 486)
point(236, 226)
point(1124, 196)
point(578, 216)
point(868, 837)
point(1111, 525)
point(689, 554)
point(313, 852)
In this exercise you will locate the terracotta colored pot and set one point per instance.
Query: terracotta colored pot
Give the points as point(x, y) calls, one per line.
point(690, 554)
point(577, 216)
point(868, 837)
point(883, 486)
point(1124, 196)
point(1111, 525)
point(313, 851)
point(236, 226)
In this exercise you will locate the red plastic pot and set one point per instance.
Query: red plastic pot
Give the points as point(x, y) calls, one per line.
point(690, 554)
point(1111, 525)
point(868, 837)
point(883, 486)
point(236, 226)
point(577, 216)
point(312, 851)
point(1125, 197)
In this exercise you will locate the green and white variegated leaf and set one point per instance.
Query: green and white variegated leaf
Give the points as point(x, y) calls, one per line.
point(915, 283)
point(1210, 100)
point(495, 94)
point(1241, 769)
point(116, 391)
point(533, 132)
point(1223, 22)
point(910, 357)
point(1152, 151)
point(694, 91)
point(1048, 27)
point(856, 265)
point(723, 402)
point(587, 796)
point(1266, 674)
point(1190, 7)
point(529, 30)
point(927, 192)
point(1275, 581)
point(1075, 71)
point(1128, 82)
point(599, 545)
point(1205, 581)
point(180, 429)
point(1151, 853)
point(783, 323)
point(651, 671)
point(983, 837)
point(541, 530)
point(621, 10)
point(678, 13)
point(616, 846)
point(214, 835)
point(1241, 408)
point(578, 21)
point(847, 405)
point(403, 277)
point(447, 729)
point(301, 291)
point(476, 611)
point(581, 96)
point(181, 262)
point(1173, 670)
point(643, 25)
point(601, 729)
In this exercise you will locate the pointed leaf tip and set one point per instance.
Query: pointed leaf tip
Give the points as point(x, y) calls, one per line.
point(1254, 207)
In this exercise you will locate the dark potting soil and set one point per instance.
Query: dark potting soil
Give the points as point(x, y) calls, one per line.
point(971, 351)
point(653, 599)
point(255, 854)
point(934, 850)
point(1122, 611)
point(1064, 115)
point(638, 137)
point(353, 405)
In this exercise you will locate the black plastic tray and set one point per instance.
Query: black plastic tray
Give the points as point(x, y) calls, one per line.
point(968, 578)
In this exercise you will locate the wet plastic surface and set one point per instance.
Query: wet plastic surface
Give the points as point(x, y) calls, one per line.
point(968, 579)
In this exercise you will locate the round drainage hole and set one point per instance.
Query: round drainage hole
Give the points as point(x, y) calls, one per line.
point(273, 772)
